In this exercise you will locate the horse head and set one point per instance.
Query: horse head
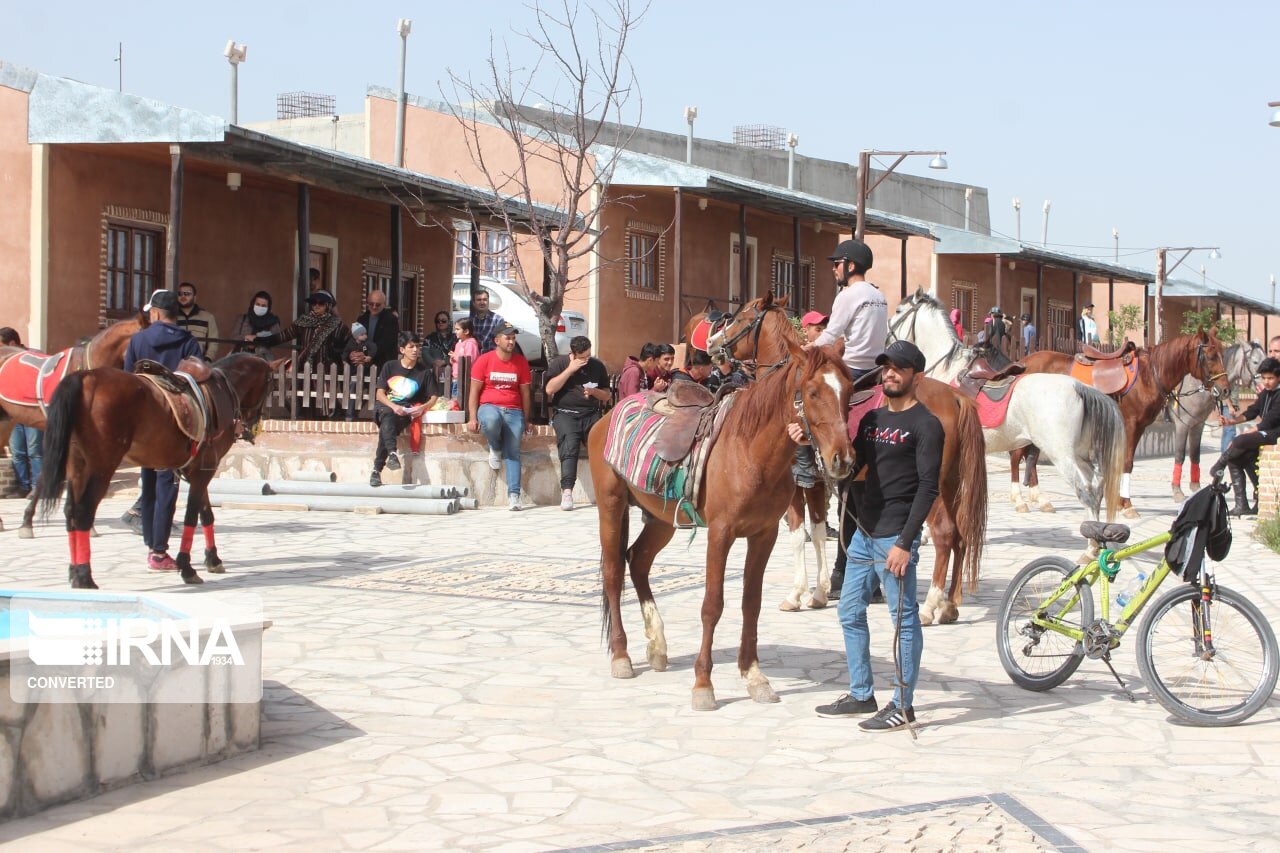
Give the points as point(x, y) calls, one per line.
point(249, 376)
point(1208, 365)
point(821, 399)
point(739, 333)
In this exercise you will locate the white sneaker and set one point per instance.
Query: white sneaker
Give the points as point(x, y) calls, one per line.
point(513, 503)
point(566, 500)
point(495, 459)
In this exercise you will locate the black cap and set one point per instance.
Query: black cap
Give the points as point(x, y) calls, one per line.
point(902, 354)
point(1088, 305)
point(165, 300)
point(995, 309)
point(853, 250)
point(321, 296)
point(505, 329)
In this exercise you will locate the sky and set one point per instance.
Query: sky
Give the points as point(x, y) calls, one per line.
point(1147, 117)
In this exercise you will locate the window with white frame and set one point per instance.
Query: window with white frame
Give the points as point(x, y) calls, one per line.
point(495, 253)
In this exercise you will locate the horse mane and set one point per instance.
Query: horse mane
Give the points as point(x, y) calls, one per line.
point(958, 349)
point(1164, 354)
point(772, 394)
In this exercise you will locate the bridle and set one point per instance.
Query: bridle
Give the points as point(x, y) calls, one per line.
point(914, 314)
point(1207, 379)
point(754, 328)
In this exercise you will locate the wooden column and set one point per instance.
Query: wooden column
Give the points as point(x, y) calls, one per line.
point(743, 268)
point(1035, 318)
point(475, 268)
point(173, 237)
point(904, 268)
point(677, 258)
point(1075, 305)
point(304, 245)
point(397, 267)
point(999, 287)
point(798, 291)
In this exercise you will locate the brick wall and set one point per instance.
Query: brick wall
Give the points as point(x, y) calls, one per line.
point(1269, 482)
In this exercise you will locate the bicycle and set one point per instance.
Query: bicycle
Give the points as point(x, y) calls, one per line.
point(1205, 652)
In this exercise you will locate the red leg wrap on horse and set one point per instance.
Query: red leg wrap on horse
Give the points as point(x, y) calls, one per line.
point(1195, 474)
point(79, 540)
point(1177, 473)
point(188, 535)
point(208, 536)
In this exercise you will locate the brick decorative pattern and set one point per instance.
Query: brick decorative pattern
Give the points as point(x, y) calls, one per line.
point(370, 428)
point(375, 268)
point(807, 271)
point(1269, 482)
point(634, 291)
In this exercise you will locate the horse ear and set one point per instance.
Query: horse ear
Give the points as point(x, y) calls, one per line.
point(781, 301)
point(835, 349)
point(767, 300)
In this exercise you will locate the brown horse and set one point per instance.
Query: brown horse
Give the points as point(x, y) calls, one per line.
point(100, 418)
point(105, 349)
point(812, 499)
point(746, 486)
point(958, 520)
point(1161, 370)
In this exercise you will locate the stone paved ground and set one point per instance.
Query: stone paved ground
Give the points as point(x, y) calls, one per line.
point(439, 683)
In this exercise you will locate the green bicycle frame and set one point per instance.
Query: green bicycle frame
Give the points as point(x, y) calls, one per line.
point(1091, 574)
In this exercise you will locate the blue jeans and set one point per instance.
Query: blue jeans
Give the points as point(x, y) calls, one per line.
point(1228, 432)
point(27, 449)
point(502, 428)
point(865, 566)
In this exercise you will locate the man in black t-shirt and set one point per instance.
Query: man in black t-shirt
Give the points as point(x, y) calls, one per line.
point(578, 384)
point(406, 388)
point(901, 448)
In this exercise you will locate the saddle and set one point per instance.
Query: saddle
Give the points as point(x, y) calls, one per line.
point(200, 398)
point(1109, 372)
point(686, 408)
point(1101, 531)
point(980, 375)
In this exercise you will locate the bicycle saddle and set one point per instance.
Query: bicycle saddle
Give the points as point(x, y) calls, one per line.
point(1115, 534)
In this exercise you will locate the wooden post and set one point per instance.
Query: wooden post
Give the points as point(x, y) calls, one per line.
point(999, 283)
point(397, 266)
point(677, 258)
point(1075, 307)
point(173, 241)
point(801, 304)
point(304, 245)
point(743, 272)
point(904, 268)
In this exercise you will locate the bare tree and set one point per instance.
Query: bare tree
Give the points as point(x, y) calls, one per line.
point(560, 151)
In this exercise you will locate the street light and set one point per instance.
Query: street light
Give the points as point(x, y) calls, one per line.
point(403, 26)
point(235, 54)
point(1163, 272)
point(864, 175)
point(1275, 117)
point(792, 142)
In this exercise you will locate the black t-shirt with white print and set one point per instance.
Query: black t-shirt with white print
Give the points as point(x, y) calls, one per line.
point(902, 452)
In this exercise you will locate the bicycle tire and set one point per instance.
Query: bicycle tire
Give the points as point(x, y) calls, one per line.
point(1016, 647)
point(1193, 689)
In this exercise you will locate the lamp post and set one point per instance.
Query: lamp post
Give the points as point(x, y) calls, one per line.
point(403, 26)
point(1163, 271)
point(690, 115)
point(1275, 117)
point(1017, 216)
point(1115, 235)
point(235, 54)
point(792, 142)
point(864, 176)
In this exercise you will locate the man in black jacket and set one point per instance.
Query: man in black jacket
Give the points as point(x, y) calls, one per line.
point(383, 326)
point(1241, 455)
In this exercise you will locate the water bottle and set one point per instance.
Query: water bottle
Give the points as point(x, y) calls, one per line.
point(1135, 583)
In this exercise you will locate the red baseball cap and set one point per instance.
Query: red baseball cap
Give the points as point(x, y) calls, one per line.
point(814, 318)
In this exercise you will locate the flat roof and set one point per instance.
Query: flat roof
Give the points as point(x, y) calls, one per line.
point(957, 241)
point(1183, 287)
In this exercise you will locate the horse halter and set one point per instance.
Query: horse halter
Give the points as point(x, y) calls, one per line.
point(754, 328)
point(798, 405)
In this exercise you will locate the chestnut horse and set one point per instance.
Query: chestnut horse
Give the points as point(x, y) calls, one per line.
point(958, 520)
point(105, 349)
point(1161, 369)
point(811, 498)
point(100, 418)
point(746, 486)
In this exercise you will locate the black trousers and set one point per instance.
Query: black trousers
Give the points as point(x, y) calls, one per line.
point(1242, 452)
point(571, 430)
point(159, 500)
point(390, 425)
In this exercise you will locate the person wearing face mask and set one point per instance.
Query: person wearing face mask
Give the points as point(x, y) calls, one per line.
point(257, 324)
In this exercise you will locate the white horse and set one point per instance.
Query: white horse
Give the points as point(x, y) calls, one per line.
point(1078, 428)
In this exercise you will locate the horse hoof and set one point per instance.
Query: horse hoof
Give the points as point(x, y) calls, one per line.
point(704, 699)
point(212, 563)
point(657, 662)
point(192, 578)
point(81, 577)
point(926, 618)
point(1047, 507)
point(762, 692)
point(1022, 508)
point(621, 668)
point(1130, 512)
point(1179, 495)
point(93, 531)
point(184, 563)
point(949, 614)
point(788, 606)
point(817, 603)
point(26, 533)
point(1195, 487)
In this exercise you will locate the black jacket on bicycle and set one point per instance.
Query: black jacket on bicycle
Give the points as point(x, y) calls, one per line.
point(1201, 526)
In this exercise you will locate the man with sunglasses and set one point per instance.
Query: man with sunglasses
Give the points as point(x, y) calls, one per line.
point(859, 313)
point(383, 327)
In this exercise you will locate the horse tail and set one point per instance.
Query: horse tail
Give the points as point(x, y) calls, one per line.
point(1107, 442)
point(971, 513)
point(606, 615)
point(61, 418)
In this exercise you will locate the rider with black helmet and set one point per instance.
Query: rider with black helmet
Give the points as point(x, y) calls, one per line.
point(859, 313)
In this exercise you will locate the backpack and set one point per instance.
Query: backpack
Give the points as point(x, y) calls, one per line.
point(1201, 528)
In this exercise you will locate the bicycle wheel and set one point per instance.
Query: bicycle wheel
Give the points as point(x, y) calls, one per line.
point(1207, 690)
point(1037, 659)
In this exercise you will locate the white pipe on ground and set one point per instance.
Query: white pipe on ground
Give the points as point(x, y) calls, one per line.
point(357, 490)
point(314, 477)
point(335, 503)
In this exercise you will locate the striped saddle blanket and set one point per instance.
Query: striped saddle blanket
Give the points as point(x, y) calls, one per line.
point(631, 449)
point(28, 379)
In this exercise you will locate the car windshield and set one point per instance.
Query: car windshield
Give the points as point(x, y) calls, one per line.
point(462, 298)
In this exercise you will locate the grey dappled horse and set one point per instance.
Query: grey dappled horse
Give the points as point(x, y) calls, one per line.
point(1193, 405)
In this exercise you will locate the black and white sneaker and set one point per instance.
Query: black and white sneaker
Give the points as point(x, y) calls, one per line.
point(393, 462)
point(847, 706)
point(375, 479)
point(890, 718)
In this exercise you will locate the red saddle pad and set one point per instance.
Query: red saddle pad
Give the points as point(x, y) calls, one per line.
point(20, 375)
point(701, 333)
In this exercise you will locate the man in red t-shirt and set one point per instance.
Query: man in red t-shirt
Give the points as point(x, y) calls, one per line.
point(500, 403)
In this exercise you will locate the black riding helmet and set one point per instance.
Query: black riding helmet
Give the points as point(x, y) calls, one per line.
point(853, 252)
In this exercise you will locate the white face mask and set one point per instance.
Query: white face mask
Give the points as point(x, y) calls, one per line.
point(260, 310)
